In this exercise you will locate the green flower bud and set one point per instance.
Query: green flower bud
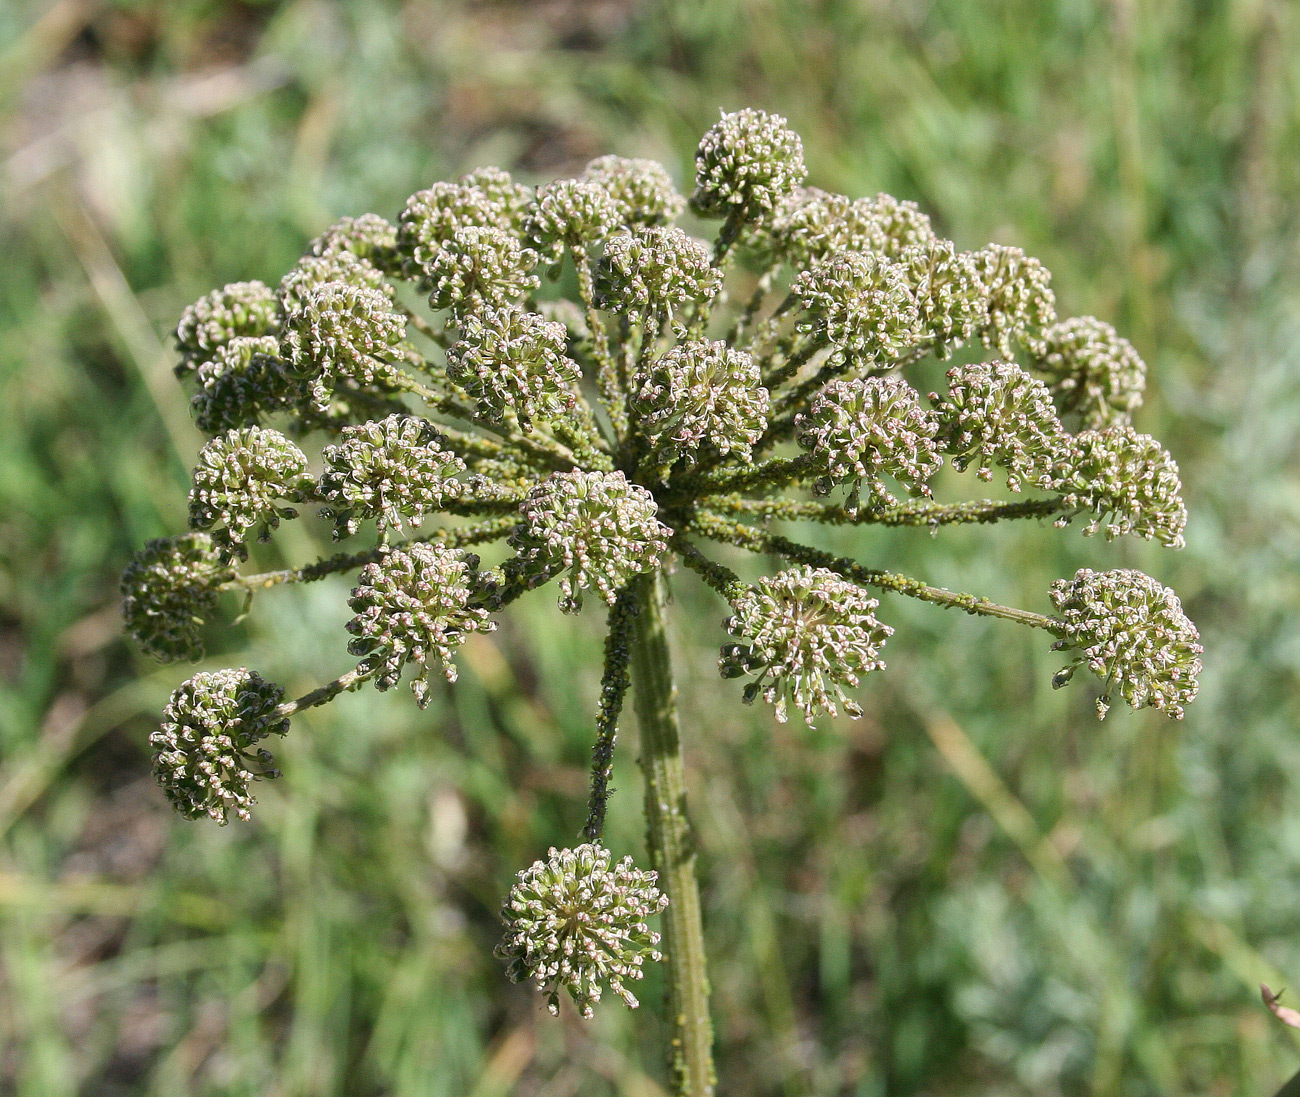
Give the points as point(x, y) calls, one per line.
point(597, 527)
point(480, 267)
point(206, 753)
point(511, 198)
point(343, 335)
point(855, 432)
point(1092, 371)
point(809, 634)
point(655, 272)
point(1020, 298)
point(368, 237)
point(950, 295)
point(996, 414)
point(702, 395)
point(241, 308)
point(747, 165)
point(576, 922)
point(861, 305)
point(241, 385)
point(433, 216)
point(168, 589)
point(1131, 632)
point(313, 271)
point(507, 358)
point(240, 477)
point(570, 213)
point(414, 606)
point(642, 190)
point(393, 471)
point(1127, 481)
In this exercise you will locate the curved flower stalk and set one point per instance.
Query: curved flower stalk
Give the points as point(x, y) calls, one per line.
point(607, 438)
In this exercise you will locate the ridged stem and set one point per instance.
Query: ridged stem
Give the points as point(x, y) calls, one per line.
point(672, 848)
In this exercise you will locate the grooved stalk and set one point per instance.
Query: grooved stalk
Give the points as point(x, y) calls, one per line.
point(672, 847)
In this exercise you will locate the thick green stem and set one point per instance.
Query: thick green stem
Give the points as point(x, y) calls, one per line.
point(672, 847)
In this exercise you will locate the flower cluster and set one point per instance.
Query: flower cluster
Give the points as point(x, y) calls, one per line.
point(688, 392)
point(577, 922)
point(1131, 632)
point(808, 634)
point(206, 752)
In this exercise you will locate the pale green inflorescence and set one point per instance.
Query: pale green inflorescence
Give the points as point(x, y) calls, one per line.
point(428, 385)
point(577, 922)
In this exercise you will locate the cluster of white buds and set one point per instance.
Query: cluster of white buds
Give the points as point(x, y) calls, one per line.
point(577, 922)
point(676, 397)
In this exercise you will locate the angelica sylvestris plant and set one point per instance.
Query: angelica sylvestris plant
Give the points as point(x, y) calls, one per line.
point(425, 386)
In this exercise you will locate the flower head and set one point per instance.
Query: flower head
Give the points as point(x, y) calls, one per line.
point(861, 304)
point(240, 385)
point(1129, 483)
point(433, 216)
point(415, 606)
point(808, 634)
point(950, 294)
point(642, 190)
point(311, 271)
point(577, 922)
point(480, 267)
point(655, 272)
point(241, 308)
point(206, 753)
point(368, 237)
point(239, 482)
point(855, 432)
point(996, 414)
point(394, 471)
point(509, 197)
point(702, 394)
point(168, 589)
point(747, 164)
point(1131, 632)
point(1093, 372)
point(596, 527)
point(511, 359)
point(1020, 298)
point(570, 213)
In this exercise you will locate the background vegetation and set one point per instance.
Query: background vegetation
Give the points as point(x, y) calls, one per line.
point(977, 889)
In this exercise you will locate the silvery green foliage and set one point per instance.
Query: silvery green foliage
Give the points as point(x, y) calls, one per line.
point(1093, 372)
point(206, 753)
point(576, 922)
point(855, 432)
point(414, 606)
point(169, 589)
point(394, 472)
point(996, 414)
point(596, 529)
point(241, 483)
point(807, 636)
point(1126, 482)
point(701, 395)
point(508, 359)
point(1131, 632)
point(677, 399)
point(241, 308)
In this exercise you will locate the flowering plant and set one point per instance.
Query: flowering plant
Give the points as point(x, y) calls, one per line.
point(682, 398)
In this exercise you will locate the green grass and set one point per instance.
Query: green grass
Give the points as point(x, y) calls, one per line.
point(977, 889)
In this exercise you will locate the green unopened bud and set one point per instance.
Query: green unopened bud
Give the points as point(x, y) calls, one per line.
point(393, 471)
point(576, 922)
point(808, 636)
point(313, 271)
point(241, 308)
point(950, 294)
point(596, 528)
point(1127, 482)
point(747, 165)
point(1020, 298)
point(855, 432)
point(241, 385)
point(861, 304)
point(655, 272)
point(168, 590)
point(206, 751)
point(432, 217)
point(240, 480)
point(480, 267)
point(570, 214)
point(368, 237)
point(509, 197)
point(1131, 632)
point(414, 606)
point(1092, 371)
point(642, 190)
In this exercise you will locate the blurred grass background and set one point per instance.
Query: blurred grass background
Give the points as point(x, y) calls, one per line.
point(977, 889)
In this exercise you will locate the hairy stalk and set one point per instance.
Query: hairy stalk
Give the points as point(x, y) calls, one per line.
point(615, 680)
point(672, 846)
point(607, 373)
point(920, 512)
